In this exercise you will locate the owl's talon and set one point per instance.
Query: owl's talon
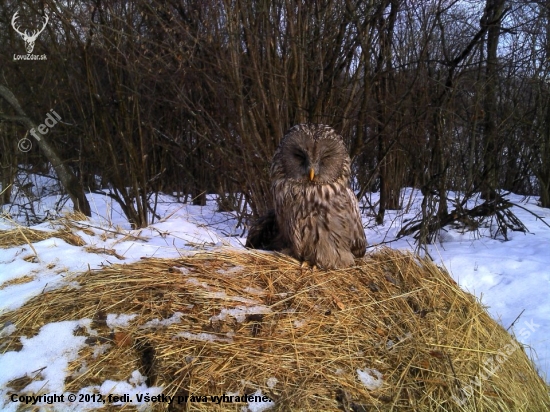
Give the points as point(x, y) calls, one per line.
point(305, 265)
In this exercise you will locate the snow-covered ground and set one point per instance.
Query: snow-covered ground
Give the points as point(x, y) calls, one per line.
point(512, 278)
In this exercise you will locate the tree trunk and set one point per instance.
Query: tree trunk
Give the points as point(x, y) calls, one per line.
point(390, 184)
point(543, 169)
point(494, 10)
point(8, 166)
point(66, 176)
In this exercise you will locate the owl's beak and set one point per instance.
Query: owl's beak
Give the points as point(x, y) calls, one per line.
point(311, 173)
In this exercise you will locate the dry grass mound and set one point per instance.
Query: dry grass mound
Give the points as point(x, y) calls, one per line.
point(24, 235)
point(243, 321)
point(21, 235)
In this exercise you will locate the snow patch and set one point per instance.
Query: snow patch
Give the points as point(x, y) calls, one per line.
point(7, 329)
point(271, 382)
point(159, 323)
point(371, 378)
point(240, 312)
point(203, 336)
point(45, 356)
point(258, 406)
point(119, 321)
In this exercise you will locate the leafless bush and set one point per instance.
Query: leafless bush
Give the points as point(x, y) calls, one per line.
point(191, 98)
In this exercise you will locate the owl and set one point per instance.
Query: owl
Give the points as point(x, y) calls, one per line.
point(316, 215)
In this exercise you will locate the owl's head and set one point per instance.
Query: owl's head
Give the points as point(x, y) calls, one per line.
point(313, 154)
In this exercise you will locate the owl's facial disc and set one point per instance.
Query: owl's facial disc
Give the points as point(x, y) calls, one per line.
point(308, 168)
point(313, 161)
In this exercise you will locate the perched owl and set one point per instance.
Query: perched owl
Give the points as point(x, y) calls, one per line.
point(316, 215)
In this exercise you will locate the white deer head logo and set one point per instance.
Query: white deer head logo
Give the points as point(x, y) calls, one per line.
point(28, 37)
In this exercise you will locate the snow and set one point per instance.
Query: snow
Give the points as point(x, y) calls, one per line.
point(240, 312)
point(511, 278)
point(259, 406)
point(271, 382)
point(46, 355)
point(133, 387)
point(371, 378)
point(203, 336)
point(159, 323)
point(119, 321)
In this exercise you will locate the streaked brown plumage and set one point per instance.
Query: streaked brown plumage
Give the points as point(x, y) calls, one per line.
point(316, 215)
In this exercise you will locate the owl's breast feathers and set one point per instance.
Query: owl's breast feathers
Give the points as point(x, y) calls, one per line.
point(315, 219)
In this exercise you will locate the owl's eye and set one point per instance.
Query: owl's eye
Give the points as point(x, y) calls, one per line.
point(325, 159)
point(300, 156)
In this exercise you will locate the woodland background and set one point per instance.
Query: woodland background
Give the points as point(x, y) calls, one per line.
point(193, 97)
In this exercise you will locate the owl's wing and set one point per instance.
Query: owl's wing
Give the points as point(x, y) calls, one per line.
point(358, 238)
point(264, 233)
